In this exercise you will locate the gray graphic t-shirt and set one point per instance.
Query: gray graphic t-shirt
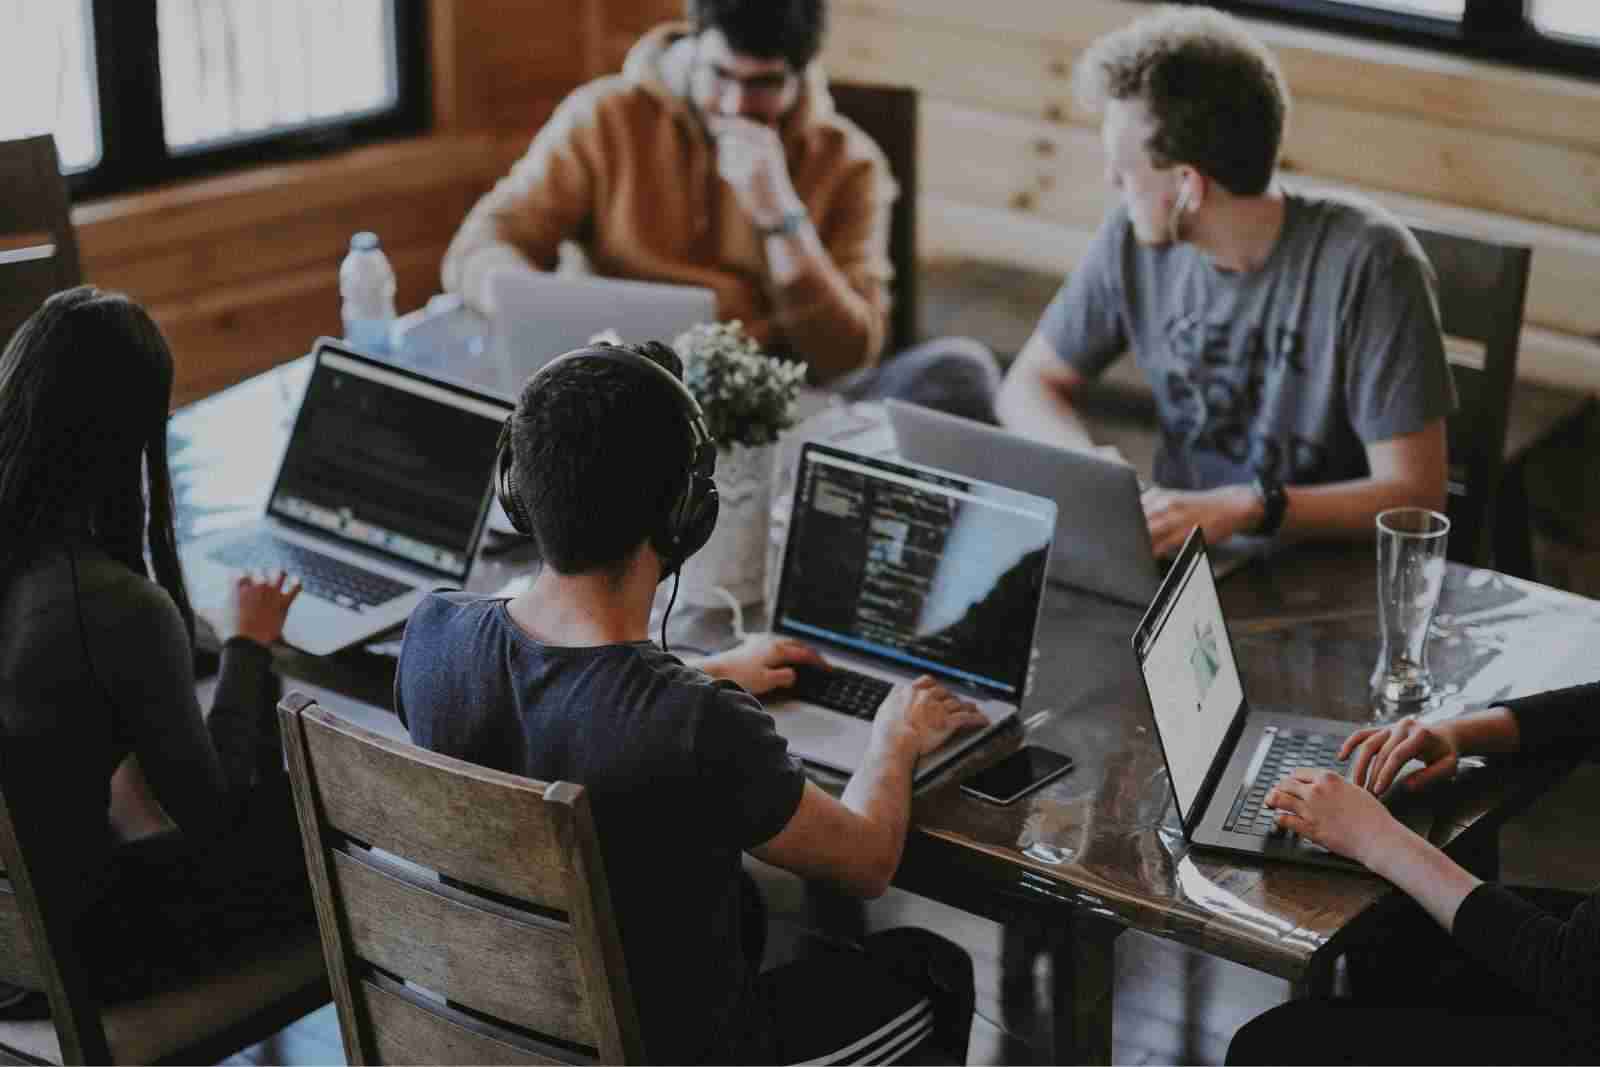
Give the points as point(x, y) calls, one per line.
point(1288, 370)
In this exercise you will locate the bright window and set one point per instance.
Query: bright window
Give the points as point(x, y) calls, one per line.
point(233, 69)
point(1567, 18)
point(47, 82)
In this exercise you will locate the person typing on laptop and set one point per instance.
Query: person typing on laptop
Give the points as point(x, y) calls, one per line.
point(607, 465)
point(1292, 341)
point(1517, 979)
point(716, 159)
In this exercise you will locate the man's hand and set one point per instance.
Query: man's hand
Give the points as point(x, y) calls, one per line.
point(761, 664)
point(750, 159)
point(1336, 814)
point(1221, 513)
point(922, 715)
point(1382, 751)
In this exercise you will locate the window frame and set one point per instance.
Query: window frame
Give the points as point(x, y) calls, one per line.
point(133, 145)
point(1501, 31)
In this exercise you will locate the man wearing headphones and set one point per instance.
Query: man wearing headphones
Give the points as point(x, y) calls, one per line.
point(1292, 341)
point(607, 465)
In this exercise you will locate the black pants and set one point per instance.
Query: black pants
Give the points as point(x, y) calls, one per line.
point(902, 991)
point(1418, 999)
point(175, 910)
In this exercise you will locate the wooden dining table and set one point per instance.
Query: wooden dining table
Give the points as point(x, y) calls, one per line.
point(1100, 850)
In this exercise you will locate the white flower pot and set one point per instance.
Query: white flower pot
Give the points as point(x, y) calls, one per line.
point(735, 559)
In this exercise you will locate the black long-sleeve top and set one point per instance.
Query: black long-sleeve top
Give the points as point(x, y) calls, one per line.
point(134, 694)
point(1555, 960)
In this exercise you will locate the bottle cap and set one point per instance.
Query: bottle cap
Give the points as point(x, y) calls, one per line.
point(365, 241)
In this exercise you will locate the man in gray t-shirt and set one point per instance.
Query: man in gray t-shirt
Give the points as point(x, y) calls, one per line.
point(1292, 342)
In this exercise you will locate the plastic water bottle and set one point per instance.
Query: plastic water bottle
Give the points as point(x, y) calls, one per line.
point(366, 282)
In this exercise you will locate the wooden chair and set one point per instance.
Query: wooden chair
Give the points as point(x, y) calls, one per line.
point(245, 1000)
point(464, 911)
point(1482, 288)
point(888, 114)
point(38, 248)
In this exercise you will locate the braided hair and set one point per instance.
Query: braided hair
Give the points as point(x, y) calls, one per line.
point(85, 387)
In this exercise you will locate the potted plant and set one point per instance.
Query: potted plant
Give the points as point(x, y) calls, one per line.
point(748, 399)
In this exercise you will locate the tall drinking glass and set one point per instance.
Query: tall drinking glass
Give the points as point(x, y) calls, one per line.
point(1411, 562)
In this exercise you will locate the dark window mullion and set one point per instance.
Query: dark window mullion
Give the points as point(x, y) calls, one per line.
point(128, 79)
point(1504, 19)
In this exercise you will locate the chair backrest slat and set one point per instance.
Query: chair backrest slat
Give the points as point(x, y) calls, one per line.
point(464, 911)
point(18, 965)
point(479, 826)
point(408, 1030)
point(523, 970)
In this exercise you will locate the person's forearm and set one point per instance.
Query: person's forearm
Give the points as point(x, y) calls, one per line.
point(1351, 507)
point(1421, 871)
point(825, 321)
point(1483, 732)
point(1041, 412)
point(880, 792)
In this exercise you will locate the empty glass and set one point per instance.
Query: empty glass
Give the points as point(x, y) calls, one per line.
point(1411, 544)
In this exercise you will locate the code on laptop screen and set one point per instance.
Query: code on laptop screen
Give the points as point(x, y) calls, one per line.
point(933, 571)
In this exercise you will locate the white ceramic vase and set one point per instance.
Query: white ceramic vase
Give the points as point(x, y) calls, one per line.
point(735, 559)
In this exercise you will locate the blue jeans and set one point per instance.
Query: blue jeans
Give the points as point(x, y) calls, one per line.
point(952, 374)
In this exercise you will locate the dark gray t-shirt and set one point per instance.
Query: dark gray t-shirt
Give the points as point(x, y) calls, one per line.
point(1289, 370)
point(683, 774)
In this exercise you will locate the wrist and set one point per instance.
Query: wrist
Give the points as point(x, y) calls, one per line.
point(1271, 506)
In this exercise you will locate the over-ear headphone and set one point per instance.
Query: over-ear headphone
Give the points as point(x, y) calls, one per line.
point(692, 515)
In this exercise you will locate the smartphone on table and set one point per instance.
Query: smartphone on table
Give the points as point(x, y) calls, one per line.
point(1026, 769)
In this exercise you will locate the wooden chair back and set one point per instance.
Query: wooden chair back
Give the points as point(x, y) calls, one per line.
point(464, 911)
point(38, 247)
point(1482, 289)
point(889, 115)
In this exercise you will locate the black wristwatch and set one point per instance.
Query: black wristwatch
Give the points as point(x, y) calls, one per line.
point(1274, 502)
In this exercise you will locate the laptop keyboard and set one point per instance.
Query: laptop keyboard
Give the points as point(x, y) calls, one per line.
point(847, 692)
point(1289, 749)
point(322, 576)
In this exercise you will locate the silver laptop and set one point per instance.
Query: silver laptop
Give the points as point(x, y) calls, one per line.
point(1102, 539)
point(380, 498)
point(893, 571)
point(1222, 755)
point(538, 316)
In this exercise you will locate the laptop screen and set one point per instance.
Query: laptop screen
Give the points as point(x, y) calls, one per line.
point(927, 570)
point(1189, 672)
point(390, 462)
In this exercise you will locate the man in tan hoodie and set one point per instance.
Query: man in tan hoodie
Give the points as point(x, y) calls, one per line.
point(716, 159)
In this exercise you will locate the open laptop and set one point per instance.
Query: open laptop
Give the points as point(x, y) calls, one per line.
point(1222, 755)
point(1102, 541)
point(538, 316)
point(380, 498)
point(893, 571)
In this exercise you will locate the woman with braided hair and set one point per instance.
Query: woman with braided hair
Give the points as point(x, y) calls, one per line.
point(97, 666)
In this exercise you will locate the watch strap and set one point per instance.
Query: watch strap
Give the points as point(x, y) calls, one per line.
point(1274, 503)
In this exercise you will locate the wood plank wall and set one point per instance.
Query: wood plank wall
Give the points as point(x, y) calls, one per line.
point(1011, 172)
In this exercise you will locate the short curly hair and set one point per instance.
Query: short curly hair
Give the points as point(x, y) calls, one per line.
point(1217, 96)
point(790, 30)
point(600, 451)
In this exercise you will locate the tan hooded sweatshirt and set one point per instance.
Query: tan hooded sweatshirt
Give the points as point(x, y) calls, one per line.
point(626, 168)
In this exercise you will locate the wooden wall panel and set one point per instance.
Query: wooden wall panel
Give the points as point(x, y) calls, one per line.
point(1452, 142)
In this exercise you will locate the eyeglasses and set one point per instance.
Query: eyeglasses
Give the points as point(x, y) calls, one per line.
point(767, 85)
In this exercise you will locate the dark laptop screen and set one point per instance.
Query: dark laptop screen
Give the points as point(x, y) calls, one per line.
point(932, 571)
point(390, 462)
point(1189, 672)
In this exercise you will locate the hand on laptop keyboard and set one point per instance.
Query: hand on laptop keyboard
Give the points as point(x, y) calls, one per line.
point(257, 606)
point(924, 715)
point(764, 663)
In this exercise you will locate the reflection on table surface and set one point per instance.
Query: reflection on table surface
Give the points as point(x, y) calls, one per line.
point(1105, 837)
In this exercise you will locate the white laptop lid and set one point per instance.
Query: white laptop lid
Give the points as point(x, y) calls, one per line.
point(1102, 542)
point(1192, 679)
point(919, 569)
point(539, 316)
point(390, 462)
